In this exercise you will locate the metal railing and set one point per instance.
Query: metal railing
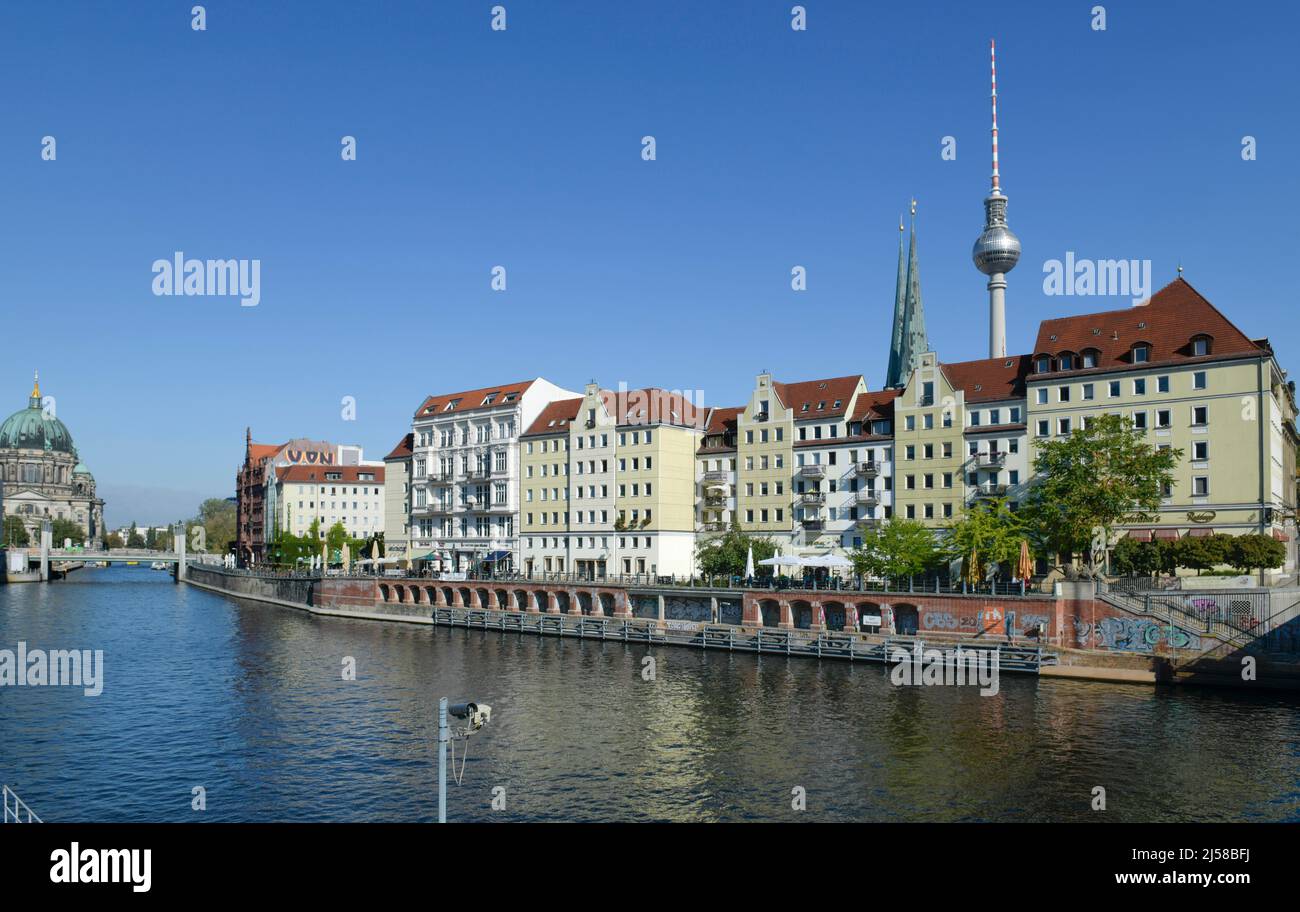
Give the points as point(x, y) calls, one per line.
point(16, 810)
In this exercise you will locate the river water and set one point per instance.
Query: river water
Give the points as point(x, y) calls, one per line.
point(248, 702)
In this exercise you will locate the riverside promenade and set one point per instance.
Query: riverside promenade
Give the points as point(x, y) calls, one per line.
point(1077, 630)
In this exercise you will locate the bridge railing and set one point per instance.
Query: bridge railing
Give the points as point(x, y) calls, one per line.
point(16, 810)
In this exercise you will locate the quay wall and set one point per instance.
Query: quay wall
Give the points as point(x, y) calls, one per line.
point(1091, 639)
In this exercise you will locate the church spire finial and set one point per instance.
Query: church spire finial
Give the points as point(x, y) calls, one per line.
point(36, 384)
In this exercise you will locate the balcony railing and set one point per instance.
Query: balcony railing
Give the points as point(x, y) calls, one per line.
point(816, 498)
point(990, 490)
point(761, 416)
point(812, 471)
point(815, 525)
point(868, 498)
point(868, 469)
point(990, 460)
point(715, 503)
point(717, 477)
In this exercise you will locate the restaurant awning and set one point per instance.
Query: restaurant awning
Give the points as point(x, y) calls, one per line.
point(1166, 534)
point(1281, 536)
point(496, 556)
point(1142, 535)
point(1201, 533)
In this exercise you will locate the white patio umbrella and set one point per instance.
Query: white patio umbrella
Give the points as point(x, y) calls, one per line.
point(749, 563)
point(781, 560)
point(829, 561)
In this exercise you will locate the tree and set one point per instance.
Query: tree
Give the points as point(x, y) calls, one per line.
point(65, 528)
point(1204, 553)
point(1098, 477)
point(989, 531)
point(217, 517)
point(134, 539)
point(1135, 558)
point(15, 533)
point(336, 536)
point(726, 555)
point(894, 549)
point(113, 540)
point(1255, 552)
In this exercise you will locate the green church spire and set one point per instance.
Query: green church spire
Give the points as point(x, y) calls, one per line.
point(909, 338)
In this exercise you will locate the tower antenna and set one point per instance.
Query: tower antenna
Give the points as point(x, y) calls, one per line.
point(997, 250)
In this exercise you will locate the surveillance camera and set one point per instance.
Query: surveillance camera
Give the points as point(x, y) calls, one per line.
point(473, 713)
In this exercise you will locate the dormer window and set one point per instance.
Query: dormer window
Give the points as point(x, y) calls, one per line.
point(1141, 353)
point(1065, 361)
point(1089, 358)
point(1200, 346)
point(1043, 364)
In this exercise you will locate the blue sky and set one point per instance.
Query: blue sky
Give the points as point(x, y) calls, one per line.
point(522, 148)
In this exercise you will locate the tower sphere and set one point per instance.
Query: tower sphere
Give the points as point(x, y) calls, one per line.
point(996, 250)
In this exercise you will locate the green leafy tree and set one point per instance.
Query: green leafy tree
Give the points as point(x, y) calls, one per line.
point(219, 521)
point(1093, 480)
point(1255, 552)
point(336, 536)
point(1135, 558)
point(726, 555)
point(15, 533)
point(134, 539)
point(1203, 553)
point(113, 540)
point(65, 528)
point(894, 549)
point(989, 531)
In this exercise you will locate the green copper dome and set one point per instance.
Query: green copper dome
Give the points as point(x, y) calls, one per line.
point(32, 429)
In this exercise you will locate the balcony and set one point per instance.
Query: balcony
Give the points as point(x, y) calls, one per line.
point(867, 498)
point(590, 423)
point(992, 460)
point(761, 416)
point(812, 471)
point(713, 502)
point(713, 527)
point(812, 498)
point(868, 469)
point(812, 525)
point(989, 490)
point(717, 477)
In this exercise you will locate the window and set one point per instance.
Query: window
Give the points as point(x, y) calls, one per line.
point(1198, 380)
point(1200, 450)
point(1140, 386)
point(1065, 361)
point(1090, 357)
point(1015, 414)
point(1088, 391)
point(1200, 485)
point(1062, 394)
point(1200, 415)
point(1042, 427)
point(1042, 395)
point(1042, 364)
point(1164, 418)
point(1162, 384)
point(1140, 421)
point(1141, 353)
point(1113, 389)
point(1200, 346)
point(1062, 426)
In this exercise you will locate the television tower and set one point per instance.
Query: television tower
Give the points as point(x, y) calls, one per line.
point(998, 250)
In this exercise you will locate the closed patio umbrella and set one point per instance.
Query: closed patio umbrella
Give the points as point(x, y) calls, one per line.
point(749, 564)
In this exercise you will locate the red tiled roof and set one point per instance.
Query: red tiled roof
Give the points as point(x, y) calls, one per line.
point(1168, 322)
point(260, 451)
point(555, 418)
point(349, 474)
point(470, 400)
point(989, 379)
point(814, 392)
point(722, 420)
point(403, 448)
point(875, 404)
point(653, 406)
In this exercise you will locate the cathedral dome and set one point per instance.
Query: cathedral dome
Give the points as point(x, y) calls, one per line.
point(32, 429)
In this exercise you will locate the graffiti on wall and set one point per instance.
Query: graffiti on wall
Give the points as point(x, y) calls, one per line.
point(1131, 634)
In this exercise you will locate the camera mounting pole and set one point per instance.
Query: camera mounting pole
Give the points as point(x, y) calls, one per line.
point(442, 760)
